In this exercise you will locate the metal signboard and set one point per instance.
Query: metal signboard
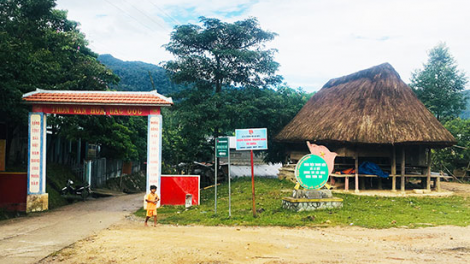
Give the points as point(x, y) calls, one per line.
point(251, 139)
point(222, 149)
point(311, 172)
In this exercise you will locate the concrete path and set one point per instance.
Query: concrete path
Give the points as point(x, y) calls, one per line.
point(30, 239)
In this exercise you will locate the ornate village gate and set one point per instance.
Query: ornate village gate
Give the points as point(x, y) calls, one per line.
point(88, 103)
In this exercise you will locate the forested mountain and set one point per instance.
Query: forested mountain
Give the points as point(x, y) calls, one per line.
point(135, 76)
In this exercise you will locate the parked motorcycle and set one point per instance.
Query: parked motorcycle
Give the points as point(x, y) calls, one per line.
point(82, 190)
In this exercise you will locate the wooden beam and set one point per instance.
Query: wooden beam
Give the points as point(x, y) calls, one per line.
point(402, 187)
point(438, 181)
point(356, 171)
point(428, 179)
point(394, 169)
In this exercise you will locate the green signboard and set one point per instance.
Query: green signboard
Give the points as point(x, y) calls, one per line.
point(221, 145)
point(311, 172)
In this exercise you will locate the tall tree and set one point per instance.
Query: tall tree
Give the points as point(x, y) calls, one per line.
point(453, 158)
point(439, 84)
point(219, 54)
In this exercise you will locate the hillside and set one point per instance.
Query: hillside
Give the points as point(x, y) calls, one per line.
point(135, 76)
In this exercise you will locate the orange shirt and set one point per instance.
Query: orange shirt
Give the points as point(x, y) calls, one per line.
point(151, 197)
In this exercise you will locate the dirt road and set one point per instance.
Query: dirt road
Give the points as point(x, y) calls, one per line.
point(128, 241)
point(131, 242)
point(30, 239)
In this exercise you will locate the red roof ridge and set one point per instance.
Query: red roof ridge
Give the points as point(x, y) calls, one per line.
point(41, 96)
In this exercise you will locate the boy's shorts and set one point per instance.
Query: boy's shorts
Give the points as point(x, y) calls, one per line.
point(151, 213)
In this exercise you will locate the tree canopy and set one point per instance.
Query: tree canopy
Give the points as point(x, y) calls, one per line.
point(219, 54)
point(439, 84)
point(41, 48)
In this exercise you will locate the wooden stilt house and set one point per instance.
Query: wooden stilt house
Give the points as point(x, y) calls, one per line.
point(370, 115)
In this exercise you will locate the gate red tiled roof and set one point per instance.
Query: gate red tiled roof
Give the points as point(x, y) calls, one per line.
point(97, 98)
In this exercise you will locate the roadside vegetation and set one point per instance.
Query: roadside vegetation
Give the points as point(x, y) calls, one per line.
point(369, 212)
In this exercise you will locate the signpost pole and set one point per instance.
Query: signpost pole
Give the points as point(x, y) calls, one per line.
point(252, 139)
point(229, 187)
point(215, 186)
point(222, 150)
point(253, 184)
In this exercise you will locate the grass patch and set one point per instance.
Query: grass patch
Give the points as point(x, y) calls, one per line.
point(370, 212)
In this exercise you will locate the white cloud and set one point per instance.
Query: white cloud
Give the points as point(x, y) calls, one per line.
point(318, 40)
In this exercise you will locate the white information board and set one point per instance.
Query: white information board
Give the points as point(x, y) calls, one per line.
point(252, 139)
point(154, 152)
point(36, 157)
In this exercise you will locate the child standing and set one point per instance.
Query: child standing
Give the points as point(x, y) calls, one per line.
point(152, 199)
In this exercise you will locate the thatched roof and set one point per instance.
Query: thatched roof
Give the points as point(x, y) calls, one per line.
point(372, 106)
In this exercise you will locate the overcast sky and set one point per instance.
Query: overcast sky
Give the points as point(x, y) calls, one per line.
point(317, 39)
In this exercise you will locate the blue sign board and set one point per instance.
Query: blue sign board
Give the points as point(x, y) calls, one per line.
point(251, 139)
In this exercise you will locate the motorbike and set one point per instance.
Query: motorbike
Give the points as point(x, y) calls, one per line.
point(82, 191)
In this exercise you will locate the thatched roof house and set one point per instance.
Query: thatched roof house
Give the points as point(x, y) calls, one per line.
point(372, 106)
point(367, 115)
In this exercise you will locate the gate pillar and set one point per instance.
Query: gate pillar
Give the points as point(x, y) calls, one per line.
point(154, 153)
point(37, 199)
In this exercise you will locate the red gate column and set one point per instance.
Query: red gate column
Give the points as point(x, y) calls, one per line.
point(37, 199)
point(154, 152)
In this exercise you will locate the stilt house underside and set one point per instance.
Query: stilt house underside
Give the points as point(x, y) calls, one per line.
point(371, 115)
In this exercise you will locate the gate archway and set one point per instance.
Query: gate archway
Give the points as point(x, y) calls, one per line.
point(88, 103)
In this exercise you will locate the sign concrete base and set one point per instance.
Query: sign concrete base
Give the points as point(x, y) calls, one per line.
point(299, 205)
point(37, 202)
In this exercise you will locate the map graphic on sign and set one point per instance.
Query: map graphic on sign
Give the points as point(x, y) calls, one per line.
point(312, 171)
point(323, 152)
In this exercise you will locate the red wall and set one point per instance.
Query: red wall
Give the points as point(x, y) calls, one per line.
point(175, 187)
point(13, 191)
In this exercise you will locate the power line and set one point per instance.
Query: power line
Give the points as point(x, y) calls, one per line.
point(150, 18)
point(132, 17)
point(176, 21)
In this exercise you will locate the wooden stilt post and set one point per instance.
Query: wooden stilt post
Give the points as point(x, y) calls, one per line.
point(362, 183)
point(394, 170)
point(402, 169)
point(438, 181)
point(428, 178)
point(356, 171)
point(346, 183)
